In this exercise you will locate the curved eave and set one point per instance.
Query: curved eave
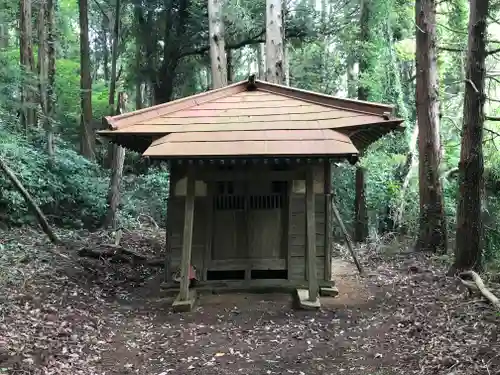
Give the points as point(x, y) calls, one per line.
point(363, 136)
point(131, 141)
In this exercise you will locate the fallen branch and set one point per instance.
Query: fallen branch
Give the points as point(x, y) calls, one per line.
point(30, 202)
point(346, 236)
point(120, 254)
point(473, 281)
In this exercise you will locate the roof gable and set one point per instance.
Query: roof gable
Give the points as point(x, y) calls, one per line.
point(244, 100)
point(251, 106)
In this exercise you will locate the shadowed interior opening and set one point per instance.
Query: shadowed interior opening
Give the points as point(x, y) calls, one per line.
point(226, 275)
point(269, 274)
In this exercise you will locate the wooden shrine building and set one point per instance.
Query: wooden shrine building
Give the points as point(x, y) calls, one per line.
point(250, 179)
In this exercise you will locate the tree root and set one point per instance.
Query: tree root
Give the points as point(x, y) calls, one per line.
point(474, 282)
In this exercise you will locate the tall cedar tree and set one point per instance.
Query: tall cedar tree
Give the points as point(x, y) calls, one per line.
point(28, 112)
point(51, 75)
point(468, 251)
point(218, 60)
point(87, 140)
point(360, 210)
point(274, 42)
point(116, 153)
point(432, 233)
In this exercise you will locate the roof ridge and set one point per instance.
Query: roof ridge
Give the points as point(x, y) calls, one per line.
point(360, 106)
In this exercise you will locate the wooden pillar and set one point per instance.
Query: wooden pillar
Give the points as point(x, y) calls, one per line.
point(311, 236)
point(209, 201)
point(187, 239)
point(328, 220)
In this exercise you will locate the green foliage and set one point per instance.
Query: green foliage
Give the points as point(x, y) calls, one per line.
point(146, 195)
point(71, 191)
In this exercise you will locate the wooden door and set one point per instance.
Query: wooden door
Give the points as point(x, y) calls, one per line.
point(229, 222)
point(265, 220)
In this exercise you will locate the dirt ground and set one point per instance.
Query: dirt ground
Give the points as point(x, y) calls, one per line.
point(403, 317)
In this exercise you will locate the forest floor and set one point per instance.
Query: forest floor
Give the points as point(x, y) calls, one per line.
point(404, 317)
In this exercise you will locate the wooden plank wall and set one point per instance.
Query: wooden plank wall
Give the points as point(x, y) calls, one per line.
point(296, 260)
point(297, 237)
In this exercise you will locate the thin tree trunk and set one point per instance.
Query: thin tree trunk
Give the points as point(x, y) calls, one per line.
point(111, 218)
point(114, 58)
point(360, 210)
point(87, 142)
point(286, 59)
point(217, 46)
point(261, 61)
point(27, 61)
point(116, 154)
point(274, 42)
point(433, 231)
point(352, 86)
point(30, 202)
point(410, 164)
point(43, 49)
point(112, 83)
point(42, 56)
point(364, 37)
point(51, 77)
point(468, 252)
point(139, 97)
point(104, 46)
point(229, 61)
point(4, 35)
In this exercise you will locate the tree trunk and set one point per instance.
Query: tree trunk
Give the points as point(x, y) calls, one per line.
point(230, 68)
point(42, 56)
point(109, 161)
point(364, 37)
point(4, 34)
point(433, 232)
point(261, 62)
point(409, 166)
point(27, 61)
point(274, 42)
point(104, 46)
point(114, 58)
point(111, 218)
point(286, 59)
point(139, 96)
point(51, 77)
point(87, 140)
point(43, 22)
point(30, 202)
point(468, 252)
point(352, 86)
point(217, 45)
point(360, 211)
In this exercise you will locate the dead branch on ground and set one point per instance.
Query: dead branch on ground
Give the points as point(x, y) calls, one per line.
point(474, 282)
point(346, 236)
point(30, 202)
point(118, 253)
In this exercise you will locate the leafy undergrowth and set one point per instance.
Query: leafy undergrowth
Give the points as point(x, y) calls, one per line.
point(99, 317)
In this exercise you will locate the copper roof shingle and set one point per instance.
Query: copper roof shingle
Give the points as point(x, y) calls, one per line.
point(279, 120)
point(252, 143)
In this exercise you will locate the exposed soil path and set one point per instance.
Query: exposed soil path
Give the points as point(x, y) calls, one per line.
point(390, 322)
